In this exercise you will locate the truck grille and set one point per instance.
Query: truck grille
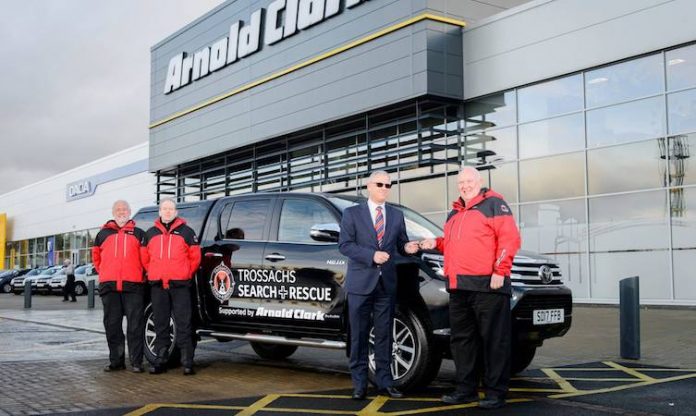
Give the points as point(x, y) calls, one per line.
point(531, 302)
point(530, 273)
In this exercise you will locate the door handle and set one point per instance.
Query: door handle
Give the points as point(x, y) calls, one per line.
point(275, 257)
point(211, 254)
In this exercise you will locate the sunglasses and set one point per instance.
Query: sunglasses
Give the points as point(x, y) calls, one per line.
point(380, 184)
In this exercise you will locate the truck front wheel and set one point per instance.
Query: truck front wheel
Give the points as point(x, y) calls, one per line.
point(521, 357)
point(415, 357)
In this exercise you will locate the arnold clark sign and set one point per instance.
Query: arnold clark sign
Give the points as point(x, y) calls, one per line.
point(280, 20)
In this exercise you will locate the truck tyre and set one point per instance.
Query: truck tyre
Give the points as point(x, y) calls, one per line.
point(80, 289)
point(6, 288)
point(521, 357)
point(415, 357)
point(273, 351)
point(149, 344)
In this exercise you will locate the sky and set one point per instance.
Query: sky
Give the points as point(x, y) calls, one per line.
point(75, 79)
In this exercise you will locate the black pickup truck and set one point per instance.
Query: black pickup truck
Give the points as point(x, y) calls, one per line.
point(271, 274)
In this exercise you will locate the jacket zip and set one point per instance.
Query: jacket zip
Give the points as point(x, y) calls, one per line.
point(162, 246)
point(459, 231)
point(169, 254)
point(116, 246)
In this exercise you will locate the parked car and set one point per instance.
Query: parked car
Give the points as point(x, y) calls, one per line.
point(6, 277)
point(83, 275)
point(18, 282)
point(272, 274)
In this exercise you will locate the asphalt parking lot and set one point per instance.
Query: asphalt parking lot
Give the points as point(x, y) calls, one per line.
point(52, 356)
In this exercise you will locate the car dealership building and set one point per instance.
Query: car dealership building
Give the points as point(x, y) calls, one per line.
point(580, 112)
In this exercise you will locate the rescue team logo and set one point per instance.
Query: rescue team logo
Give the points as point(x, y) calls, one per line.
point(222, 283)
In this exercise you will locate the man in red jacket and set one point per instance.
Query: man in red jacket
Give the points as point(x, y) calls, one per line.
point(116, 255)
point(173, 256)
point(480, 241)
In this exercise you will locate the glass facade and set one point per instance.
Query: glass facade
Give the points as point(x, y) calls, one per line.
point(596, 166)
point(44, 251)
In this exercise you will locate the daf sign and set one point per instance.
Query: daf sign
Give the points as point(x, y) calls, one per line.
point(280, 20)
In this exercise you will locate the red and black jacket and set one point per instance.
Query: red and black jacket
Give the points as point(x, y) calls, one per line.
point(117, 253)
point(480, 239)
point(173, 252)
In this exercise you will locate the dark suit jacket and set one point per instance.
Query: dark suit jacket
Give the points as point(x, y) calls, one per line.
point(358, 242)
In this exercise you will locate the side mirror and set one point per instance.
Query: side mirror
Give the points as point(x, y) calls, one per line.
point(325, 232)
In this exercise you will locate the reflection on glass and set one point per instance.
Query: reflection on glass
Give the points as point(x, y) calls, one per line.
point(629, 122)
point(684, 282)
point(557, 135)
point(425, 195)
point(550, 98)
point(491, 146)
point(629, 222)
point(552, 177)
point(681, 67)
point(682, 167)
point(652, 267)
point(492, 111)
point(624, 81)
point(559, 229)
point(503, 180)
point(627, 168)
point(683, 211)
point(682, 111)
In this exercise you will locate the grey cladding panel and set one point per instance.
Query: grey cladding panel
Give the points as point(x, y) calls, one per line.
point(383, 71)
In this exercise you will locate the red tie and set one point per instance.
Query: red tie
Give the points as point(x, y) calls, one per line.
point(379, 226)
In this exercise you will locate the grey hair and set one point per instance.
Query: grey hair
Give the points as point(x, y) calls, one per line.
point(162, 201)
point(119, 202)
point(377, 173)
point(471, 169)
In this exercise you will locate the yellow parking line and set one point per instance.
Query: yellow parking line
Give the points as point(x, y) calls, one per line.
point(373, 407)
point(144, 410)
point(258, 405)
point(623, 387)
point(533, 390)
point(628, 370)
point(307, 411)
point(154, 406)
point(562, 383)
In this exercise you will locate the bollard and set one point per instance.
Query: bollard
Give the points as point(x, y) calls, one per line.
point(90, 294)
point(27, 294)
point(629, 315)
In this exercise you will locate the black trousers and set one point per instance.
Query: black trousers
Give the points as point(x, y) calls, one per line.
point(69, 288)
point(174, 302)
point(377, 308)
point(130, 304)
point(480, 322)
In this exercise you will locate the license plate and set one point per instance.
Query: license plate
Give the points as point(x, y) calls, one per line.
point(547, 316)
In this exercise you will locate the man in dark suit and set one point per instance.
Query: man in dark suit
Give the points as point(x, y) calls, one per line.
point(371, 234)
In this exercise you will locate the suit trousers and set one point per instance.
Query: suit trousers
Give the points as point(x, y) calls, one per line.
point(116, 305)
point(174, 302)
point(364, 310)
point(480, 322)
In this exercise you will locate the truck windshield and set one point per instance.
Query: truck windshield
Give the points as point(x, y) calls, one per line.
point(417, 226)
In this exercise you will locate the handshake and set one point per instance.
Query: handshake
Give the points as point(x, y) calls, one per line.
point(426, 244)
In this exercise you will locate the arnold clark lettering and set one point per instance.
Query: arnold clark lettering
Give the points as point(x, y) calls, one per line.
point(280, 20)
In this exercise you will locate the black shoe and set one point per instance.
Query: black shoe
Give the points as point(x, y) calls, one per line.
point(459, 398)
point(65, 300)
point(492, 403)
point(391, 392)
point(137, 369)
point(118, 367)
point(359, 395)
point(156, 369)
point(188, 371)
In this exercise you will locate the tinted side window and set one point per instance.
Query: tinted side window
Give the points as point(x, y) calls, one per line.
point(297, 218)
point(246, 220)
point(145, 219)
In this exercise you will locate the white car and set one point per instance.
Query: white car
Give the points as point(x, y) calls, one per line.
point(83, 275)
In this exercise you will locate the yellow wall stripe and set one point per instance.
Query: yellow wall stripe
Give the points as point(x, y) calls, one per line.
point(308, 62)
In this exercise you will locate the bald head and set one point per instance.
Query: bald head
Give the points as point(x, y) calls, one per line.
point(469, 183)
